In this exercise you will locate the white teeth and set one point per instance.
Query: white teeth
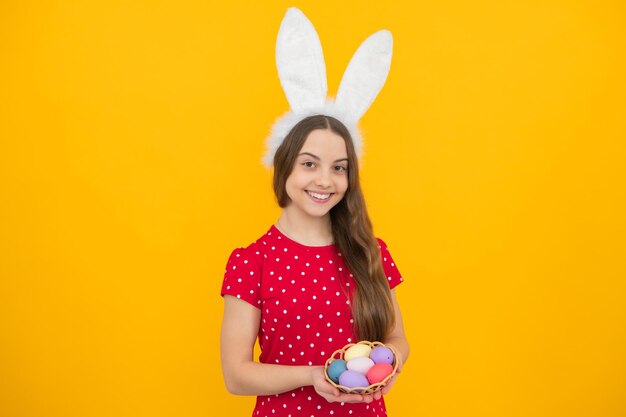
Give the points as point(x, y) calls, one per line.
point(319, 196)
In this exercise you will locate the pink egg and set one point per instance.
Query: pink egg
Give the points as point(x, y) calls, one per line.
point(379, 372)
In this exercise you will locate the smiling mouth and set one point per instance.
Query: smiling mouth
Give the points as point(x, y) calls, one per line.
point(320, 196)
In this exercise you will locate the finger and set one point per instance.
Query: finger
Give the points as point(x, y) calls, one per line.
point(367, 398)
point(387, 387)
point(328, 392)
point(351, 398)
point(341, 396)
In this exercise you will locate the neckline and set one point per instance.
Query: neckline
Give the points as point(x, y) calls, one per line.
point(276, 231)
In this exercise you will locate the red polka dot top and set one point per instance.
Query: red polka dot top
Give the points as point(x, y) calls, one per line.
point(303, 293)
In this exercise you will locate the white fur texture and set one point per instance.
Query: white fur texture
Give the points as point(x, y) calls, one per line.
point(302, 73)
point(365, 75)
point(300, 62)
point(286, 122)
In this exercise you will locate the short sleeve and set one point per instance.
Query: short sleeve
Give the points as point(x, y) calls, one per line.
point(389, 266)
point(242, 277)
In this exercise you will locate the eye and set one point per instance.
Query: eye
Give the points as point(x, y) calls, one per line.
point(341, 168)
point(309, 164)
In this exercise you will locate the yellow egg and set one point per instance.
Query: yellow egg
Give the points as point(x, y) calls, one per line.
point(357, 351)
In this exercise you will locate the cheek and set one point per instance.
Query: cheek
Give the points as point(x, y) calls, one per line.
point(342, 185)
point(289, 190)
point(292, 186)
point(298, 180)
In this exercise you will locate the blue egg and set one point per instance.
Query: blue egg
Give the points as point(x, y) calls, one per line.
point(336, 368)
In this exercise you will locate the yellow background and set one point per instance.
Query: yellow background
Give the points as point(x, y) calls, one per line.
point(131, 134)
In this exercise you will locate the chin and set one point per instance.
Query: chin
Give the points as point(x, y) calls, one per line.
point(317, 213)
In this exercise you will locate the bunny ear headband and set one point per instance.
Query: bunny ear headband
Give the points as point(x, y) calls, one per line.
point(302, 74)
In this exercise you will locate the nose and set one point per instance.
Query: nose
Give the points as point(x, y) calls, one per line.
point(322, 179)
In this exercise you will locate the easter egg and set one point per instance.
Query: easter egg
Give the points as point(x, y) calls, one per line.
point(353, 379)
point(379, 372)
point(382, 354)
point(336, 368)
point(357, 351)
point(360, 364)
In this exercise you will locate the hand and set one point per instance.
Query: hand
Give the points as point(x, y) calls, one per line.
point(390, 383)
point(331, 393)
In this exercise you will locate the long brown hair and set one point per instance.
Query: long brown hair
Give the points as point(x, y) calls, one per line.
point(372, 307)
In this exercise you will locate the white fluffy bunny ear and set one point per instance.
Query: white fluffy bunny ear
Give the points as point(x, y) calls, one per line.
point(300, 62)
point(302, 73)
point(366, 74)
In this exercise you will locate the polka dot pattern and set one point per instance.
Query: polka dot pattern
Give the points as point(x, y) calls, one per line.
point(304, 295)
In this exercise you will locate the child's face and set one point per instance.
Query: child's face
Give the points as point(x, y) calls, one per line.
point(319, 178)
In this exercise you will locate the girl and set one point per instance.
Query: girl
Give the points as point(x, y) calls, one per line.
point(316, 281)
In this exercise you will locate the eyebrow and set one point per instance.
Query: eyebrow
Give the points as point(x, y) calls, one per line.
point(318, 158)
